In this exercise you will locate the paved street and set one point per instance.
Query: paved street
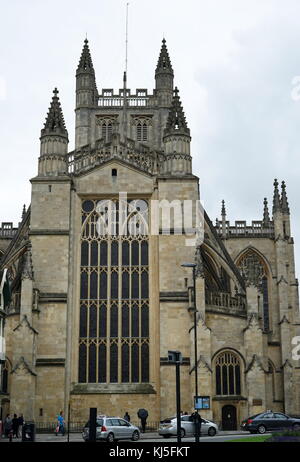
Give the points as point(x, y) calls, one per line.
point(148, 437)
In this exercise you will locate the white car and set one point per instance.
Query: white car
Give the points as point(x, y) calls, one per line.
point(112, 429)
point(168, 427)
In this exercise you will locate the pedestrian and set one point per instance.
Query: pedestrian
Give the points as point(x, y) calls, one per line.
point(15, 426)
point(7, 425)
point(197, 419)
point(60, 428)
point(143, 414)
point(20, 424)
point(127, 416)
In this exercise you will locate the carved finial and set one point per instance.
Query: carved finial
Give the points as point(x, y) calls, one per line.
point(266, 218)
point(223, 211)
point(85, 62)
point(284, 201)
point(23, 212)
point(164, 62)
point(55, 122)
point(176, 121)
point(276, 198)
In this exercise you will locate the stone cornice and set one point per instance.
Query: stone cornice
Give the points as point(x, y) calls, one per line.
point(53, 297)
point(51, 179)
point(112, 388)
point(45, 362)
point(164, 361)
point(49, 232)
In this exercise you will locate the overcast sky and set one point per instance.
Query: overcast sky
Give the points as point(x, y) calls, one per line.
point(234, 64)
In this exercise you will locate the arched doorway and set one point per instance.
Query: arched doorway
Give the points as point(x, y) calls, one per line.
point(229, 421)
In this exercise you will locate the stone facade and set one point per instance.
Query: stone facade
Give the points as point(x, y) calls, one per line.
point(245, 288)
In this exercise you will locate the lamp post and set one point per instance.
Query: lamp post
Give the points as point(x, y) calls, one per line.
point(193, 265)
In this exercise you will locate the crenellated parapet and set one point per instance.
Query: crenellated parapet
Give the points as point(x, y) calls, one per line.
point(240, 228)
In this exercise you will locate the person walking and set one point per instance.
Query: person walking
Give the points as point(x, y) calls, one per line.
point(143, 414)
point(7, 425)
point(20, 424)
point(197, 419)
point(60, 428)
point(127, 417)
point(15, 426)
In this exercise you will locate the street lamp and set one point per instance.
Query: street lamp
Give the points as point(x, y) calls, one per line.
point(193, 265)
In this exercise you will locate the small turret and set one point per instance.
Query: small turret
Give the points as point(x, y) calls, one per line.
point(86, 96)
point(86, 88)
point(177, 140)
point(54, 140)
point(164, 77)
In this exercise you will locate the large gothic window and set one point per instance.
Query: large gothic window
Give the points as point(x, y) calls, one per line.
point(254, 271)
point(228, 374)
point(114, 293)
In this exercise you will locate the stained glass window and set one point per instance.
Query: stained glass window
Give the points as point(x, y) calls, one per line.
point(254, 271)
point(114, 293)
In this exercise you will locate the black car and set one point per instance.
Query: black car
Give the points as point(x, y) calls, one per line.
point(260, 423)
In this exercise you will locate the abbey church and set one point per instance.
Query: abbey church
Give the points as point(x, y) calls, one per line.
point(92, 297)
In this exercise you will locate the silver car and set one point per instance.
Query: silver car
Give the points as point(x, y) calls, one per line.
point(112, 429)
point(168, 427)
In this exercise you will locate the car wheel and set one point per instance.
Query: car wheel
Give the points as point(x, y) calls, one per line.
point(296, 427)
point(182, 433)
point(166, 436)
point(110, 438)
point(212, 431)
point(135, 436)
point(261, 429)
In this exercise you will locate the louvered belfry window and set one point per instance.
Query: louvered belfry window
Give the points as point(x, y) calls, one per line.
point(114, 292)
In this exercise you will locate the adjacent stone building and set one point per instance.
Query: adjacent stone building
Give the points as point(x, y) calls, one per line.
point(99, 293)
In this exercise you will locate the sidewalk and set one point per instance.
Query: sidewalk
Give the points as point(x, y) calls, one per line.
point(151, 435)
point(77, 437)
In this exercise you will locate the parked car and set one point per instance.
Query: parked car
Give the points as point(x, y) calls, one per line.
point(168, 427)
point(260, 423)
point(112, 429)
